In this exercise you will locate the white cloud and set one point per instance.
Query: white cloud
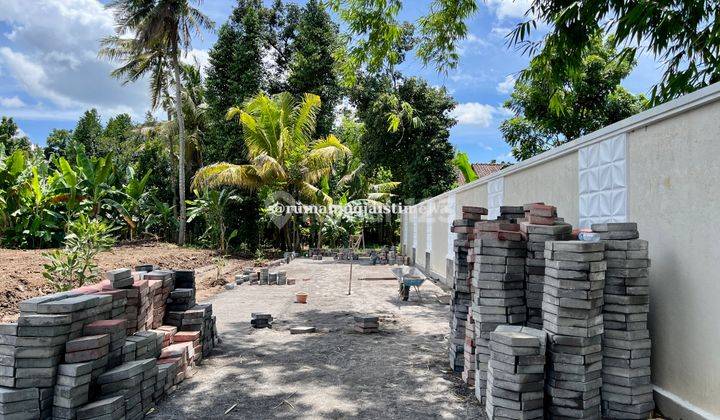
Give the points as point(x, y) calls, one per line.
point(507, 85)
point(470, 44)
point(50, 53)
point(501, 31)
point(474, 113)
point(13, 102)
point(512, 9)
point(197, 57)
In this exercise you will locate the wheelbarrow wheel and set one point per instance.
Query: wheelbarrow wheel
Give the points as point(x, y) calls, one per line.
point(405, 292)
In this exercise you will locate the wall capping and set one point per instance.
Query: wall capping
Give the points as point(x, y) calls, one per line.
point(653, 115)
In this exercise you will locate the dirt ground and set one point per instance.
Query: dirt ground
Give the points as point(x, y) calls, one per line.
point(21, 270)
point(401, 372)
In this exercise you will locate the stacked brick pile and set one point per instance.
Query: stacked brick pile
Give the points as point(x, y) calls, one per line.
point(512, 214)
point(107, 408)
point(366, 324)
point(536, 234)
point(116, 331)
point(130, 381)
point(264, 276)
point(52, 359)
point(573, 318)
point(72, 389)
point(180, 358)
point(468, 374)
point(19, 403)
point(627, 389)
point(181, 300)
point(498, 283)
point(461, 297)
point(516, 373)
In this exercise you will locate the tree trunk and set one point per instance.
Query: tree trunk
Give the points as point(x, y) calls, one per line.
point(181, 145)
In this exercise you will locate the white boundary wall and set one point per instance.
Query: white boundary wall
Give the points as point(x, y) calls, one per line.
point(659, 168)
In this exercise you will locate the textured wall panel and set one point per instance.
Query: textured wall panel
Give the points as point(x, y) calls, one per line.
point(495, 198)
point(602, 173)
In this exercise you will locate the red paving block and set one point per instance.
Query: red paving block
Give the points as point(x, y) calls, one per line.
point(185, 336)
point(540, 220)
point(543, 210)
point(105, 326)
point(501, 235)
point(493, 226)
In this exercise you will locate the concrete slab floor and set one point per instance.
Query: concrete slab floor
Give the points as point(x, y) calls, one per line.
point(401, 372)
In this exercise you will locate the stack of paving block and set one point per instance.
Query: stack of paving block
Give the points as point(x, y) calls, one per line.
point(87, 348)
point(516, 373)
point(573, 318)
point(116, 331)
point(499, 294)
point(367, 324)
point(180, 355)
point(272, 278)
point(128, 382)
point(513, 214)
point(71, 390)
point(19, 403)
point(181, 299)
point(281, 278)
point(200, 318)
point(264, 276)
point(138, 306)
point(185, 279)
point(627, 389)
point(261, 320)
point(541, 214)
point(45, 399)
point(468, 374)
point(144, 344)
point(145, 268)
point(167, 372)
point(119, 301)
point(161, 381)
point(107, 408)
point(120, 279)
point(166, 333)
point(44, 325)
point(536, 235)
point(461, 289)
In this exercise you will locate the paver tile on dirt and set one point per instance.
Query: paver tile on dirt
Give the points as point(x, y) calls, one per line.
point(400, 372)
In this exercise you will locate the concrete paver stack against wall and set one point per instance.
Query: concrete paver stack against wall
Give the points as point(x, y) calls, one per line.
point(460, 299)
point(498, 288)
point(627, 388)
point(649, 168)
point(573, 319)
point(516, 373)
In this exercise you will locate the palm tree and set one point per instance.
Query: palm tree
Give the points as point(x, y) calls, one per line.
point(282, 154)
point(161, 30)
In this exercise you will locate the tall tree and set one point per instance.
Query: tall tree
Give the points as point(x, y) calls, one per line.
point(163, 27)
point(57, 143)
point(590, 100)
point(313, 66)
point(682, 34)
point(282, 152)
point(10, 138)
point(87, 132)
point(235, 73)
point(423, 163)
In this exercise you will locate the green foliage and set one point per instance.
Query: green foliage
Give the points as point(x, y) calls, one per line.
point(682, 34)
point(589, 100)
point(58, 143)
point(74, 265)
point(234, 74)
point(462, 162)
point(419, 155)
point(211, 206)
point(10, 140)
point(88, 131)
point(313, 66)
point(376, 33)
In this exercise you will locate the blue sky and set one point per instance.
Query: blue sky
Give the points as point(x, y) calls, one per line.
point(50, 73)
